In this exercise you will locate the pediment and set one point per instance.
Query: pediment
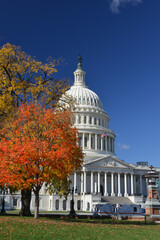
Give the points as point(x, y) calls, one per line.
point(108, 162)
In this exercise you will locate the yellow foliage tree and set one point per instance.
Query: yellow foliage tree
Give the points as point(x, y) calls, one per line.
point(23, 79)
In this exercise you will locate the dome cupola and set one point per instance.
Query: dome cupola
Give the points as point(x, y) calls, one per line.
point(80, 92)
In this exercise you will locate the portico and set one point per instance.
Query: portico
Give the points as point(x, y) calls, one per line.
point(110, 183)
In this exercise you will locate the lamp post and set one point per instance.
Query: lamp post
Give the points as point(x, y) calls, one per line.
point(72, 211)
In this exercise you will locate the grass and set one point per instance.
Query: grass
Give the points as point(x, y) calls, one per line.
point(13, 227)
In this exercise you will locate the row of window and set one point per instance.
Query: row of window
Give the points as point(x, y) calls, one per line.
point(64, 205)
point(89, 101)
point(91, 120)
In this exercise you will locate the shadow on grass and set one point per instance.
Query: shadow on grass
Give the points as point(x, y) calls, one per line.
point(85, 219)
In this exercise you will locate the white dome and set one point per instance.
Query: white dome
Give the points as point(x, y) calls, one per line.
point(84, 97)
point(80, 93)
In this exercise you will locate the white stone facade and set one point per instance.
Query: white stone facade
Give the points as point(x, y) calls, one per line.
point(103, 174)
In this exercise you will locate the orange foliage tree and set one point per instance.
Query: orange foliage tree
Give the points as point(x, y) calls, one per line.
point(40, 146)
point(24, 79)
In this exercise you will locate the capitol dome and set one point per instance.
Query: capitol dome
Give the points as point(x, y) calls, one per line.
point(91, 120)
point(84, 96)
point(80, 92)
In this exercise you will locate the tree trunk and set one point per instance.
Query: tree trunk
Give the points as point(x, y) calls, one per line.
point(36, 213)
point(25, 202)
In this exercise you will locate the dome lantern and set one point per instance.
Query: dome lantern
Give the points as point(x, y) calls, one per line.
point(79, 74)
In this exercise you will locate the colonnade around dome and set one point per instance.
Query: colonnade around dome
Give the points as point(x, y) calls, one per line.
point(91, 141)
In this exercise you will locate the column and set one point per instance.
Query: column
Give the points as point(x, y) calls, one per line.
point(85, 182)
point(134, 179)
point(101, 144)
point(125, 185)
point(91, 182)
point(119, 185)
point(75, 181)
point(105, 184)
point(90, 140)
point(95, 186)
point(81, 182)
point(99, 182)
point(83, 137)
point(116, 185)
point(95, 141)
point(132, 185)
point(112, 184)
point(140, 181)
point(106, 143)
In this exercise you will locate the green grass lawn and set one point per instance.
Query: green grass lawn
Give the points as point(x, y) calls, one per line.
point(47, 228)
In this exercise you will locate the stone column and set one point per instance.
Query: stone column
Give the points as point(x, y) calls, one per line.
point(95, 141)
point(89, 140)
point(101, 144)
point(106, 143)
point(95, 186)
point(132, 185)
point(75, 181)
point(91, 182)
point(105, 184)
point(83, 137)
point(81, 182)
point(85, 182)
point(134, 179)
point(125, 185)
point(119, 185)
point(112, 184)
point(140, 181)
point(98, 182)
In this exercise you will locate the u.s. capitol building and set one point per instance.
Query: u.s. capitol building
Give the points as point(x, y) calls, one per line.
point(104, 177)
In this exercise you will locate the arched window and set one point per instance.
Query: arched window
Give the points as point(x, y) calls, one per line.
point(90, 120)
point(78, 205)
point(92, 142)
point(80, 141)
point(79, 119)
point(88, 206)
point(57, 204)
point(64, 204)
point(85, 141)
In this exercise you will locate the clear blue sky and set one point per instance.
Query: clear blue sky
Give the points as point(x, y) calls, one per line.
point(119, 41)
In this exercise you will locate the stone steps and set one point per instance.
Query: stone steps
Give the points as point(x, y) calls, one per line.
point(116, 200)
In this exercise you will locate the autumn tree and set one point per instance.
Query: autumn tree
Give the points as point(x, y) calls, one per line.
point(40, 146)
point(24, 79)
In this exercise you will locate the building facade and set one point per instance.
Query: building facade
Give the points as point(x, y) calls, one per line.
point(104, 177)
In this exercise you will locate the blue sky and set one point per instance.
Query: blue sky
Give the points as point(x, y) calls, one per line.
point(119, 41)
